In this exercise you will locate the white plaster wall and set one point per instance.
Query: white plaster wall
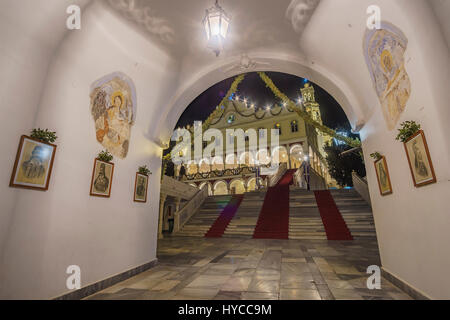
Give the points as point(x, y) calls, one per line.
point(65, 226)
point(25, 51)
point(412, 224)
point(48, 231)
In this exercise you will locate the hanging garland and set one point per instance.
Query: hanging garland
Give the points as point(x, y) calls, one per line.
point(305, 115)
point(220, 110)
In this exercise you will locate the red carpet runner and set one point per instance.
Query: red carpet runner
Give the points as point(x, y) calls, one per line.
point(273, 221)
point(221, 223)
point(335, 226)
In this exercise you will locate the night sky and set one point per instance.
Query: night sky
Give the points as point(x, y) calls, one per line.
point(255, 90)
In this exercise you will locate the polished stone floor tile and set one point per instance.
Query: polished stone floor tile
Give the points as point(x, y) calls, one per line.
point(257, 285)
point(260, 296)
point(256, 269)
point(297, 294)
point(228, 295)
point(196, 294)
point(208, 281)
point(237, 284)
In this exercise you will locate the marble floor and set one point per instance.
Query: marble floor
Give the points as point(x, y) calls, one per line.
point(254, 269)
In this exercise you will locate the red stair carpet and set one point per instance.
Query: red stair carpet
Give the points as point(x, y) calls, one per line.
point(220, 225)
point(335, 226)
point(273, 221)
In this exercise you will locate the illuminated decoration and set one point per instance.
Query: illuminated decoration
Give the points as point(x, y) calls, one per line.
point(339, 142)
point(216, 23)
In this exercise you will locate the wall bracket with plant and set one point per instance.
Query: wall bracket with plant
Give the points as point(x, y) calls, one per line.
point(407, 130)
point(105, 156)
point(144, 170)
point(44, 135)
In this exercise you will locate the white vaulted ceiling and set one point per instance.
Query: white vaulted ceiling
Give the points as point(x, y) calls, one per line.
point(255, 23)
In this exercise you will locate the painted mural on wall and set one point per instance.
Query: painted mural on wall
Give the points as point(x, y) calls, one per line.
point(113, 107)
point(384, 50)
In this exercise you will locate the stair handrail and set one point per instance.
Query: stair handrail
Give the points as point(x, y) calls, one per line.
point(273, 180)
point(360, 185)
point(190, 208)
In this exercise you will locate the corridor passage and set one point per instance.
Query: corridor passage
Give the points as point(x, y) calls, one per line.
point(257, 269)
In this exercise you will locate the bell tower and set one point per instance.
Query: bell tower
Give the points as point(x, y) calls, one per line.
point(309, 101)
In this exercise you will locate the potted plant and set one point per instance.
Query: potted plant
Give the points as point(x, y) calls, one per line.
point(407, 130)
point(376, 156)
point(44, 135)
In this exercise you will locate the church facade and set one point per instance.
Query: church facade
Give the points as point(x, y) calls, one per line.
point(241, 172)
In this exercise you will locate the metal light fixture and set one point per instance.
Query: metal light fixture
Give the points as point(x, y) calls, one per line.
point(216, 23)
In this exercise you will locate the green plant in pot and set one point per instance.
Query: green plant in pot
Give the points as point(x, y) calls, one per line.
point(376, 156)
point(407, 130)
point(144, 170)
point(105, 156)
point(44, 135)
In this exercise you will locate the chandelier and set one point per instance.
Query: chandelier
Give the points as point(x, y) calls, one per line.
point(216, 23)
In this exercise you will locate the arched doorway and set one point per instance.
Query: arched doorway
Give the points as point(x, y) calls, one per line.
point(237, 186)
point(220, 188)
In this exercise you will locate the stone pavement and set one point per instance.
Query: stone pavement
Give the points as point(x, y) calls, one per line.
point(257, 269)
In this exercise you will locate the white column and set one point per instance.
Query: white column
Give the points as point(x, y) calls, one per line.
point(161, 215)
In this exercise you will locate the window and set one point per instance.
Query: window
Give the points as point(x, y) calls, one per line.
point(231, 118)
point(294, 126)
point(278, 128)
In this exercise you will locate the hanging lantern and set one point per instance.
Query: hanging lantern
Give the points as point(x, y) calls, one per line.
point(216, 23)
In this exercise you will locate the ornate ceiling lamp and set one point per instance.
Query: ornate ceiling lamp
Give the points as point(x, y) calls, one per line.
point(216, 23)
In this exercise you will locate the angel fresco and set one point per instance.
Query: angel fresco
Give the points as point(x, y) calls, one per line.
point(113, 107)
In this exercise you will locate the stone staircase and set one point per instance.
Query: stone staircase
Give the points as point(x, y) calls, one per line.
point(356, 213)
point(244, 222)
point(202, 221)
point(304, 217)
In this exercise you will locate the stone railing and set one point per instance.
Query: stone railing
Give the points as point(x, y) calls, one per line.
point(177, 189)
point(360, 185)
point(189, 209)
point(316, 181)
point(273, 179)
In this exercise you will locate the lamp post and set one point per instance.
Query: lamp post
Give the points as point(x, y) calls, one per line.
point(216, 23)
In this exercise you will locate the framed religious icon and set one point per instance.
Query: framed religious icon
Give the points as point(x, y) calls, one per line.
point(419, 160)
point(33, 165)
point(140, 187)
point(384, 180)
point(102, 176)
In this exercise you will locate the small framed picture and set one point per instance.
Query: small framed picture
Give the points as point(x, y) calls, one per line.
point(33, 165)
point(419, 160)
point(384, 180)
point(102, 176)
point(140, 187)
